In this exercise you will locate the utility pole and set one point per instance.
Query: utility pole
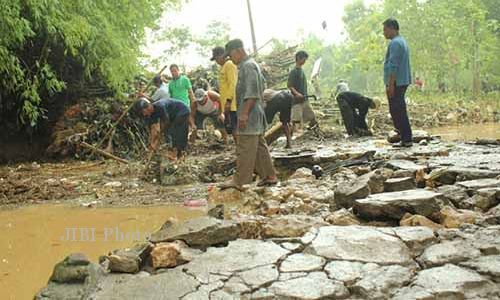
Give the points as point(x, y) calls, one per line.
point(254, 42)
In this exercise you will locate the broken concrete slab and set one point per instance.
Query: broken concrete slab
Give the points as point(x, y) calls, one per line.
point(479, 183)
point(301, 262)
point(448, 252)
point(359, 188)
point(399, 184)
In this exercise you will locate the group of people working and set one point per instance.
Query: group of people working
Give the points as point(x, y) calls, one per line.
point(243, 107)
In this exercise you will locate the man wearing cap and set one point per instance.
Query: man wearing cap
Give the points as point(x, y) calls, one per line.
point(354, 108)
point(227, 87)
point(208, 104)
point(166, 114)
point(251, 150)
point(279, 102)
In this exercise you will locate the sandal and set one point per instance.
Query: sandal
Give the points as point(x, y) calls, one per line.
point(267, 182)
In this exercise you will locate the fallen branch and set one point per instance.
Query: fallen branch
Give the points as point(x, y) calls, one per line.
point(103, 153)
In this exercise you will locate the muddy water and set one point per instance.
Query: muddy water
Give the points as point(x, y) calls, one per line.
point(35, 238)
point(468, 132)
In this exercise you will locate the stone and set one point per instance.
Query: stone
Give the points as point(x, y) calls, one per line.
point(199, 232)
point(113, 184)
point(290, 226)
point(301, 262)
point(480, 202)
point(403, 173)
point(406, 165)
point(479, 183)
point(454, 193)
point(270, 208)
point(72, 269)
point(260, 276)
point(77, 259)
point(235, 286)
point(399, 184)
point(446, 252)
point(302, 173)
point(359, 188)
point(216, 195)
point(418, 220)
point(291, 275)
point(382, 282)
point(238, 256)
point(453, 218)
point(128, 260)
point(291, 246)
point(450, 282)
point(315, 285)
point(492, 217)
point(358, 243)
point(172, 284)
point(416, 238)
point(488, 265)
point(217, 212)
point(342, 217)
point(164, 255)
point(348, 271)
point(394, 205)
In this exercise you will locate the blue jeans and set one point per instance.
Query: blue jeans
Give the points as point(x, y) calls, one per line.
point(399, 114)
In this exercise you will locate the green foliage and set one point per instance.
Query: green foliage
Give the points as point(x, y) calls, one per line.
point(47, 45)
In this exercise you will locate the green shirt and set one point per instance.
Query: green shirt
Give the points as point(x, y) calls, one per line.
point(179, 89)
point(297, 79)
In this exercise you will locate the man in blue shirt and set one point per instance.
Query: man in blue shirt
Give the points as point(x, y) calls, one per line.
point(397, 77)
point(161, 89)
point(166, 114)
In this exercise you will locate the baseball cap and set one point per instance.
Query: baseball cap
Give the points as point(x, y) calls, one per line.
point(232, 45)
point(216, 52)
point(199, 94)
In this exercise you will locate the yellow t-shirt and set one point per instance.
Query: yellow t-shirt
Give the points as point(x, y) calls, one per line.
point(227, 84)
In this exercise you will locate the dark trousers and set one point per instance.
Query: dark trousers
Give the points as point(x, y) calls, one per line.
point(399, 114)
point(353, 119)
point(179, 130)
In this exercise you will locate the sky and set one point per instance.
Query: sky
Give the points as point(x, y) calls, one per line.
point(282, 19)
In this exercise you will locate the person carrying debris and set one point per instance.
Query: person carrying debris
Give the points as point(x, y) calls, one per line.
point(227, 88)
point(162, 115)
point(354, 108)
point(302, 111)
point(397, 77)
point(207, 105)
point(251, 150)
point(279, 101)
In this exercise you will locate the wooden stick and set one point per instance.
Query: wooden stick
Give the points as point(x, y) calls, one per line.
point(103, 153)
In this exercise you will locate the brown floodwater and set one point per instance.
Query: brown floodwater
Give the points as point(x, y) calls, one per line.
point(35, 238)
point(468, 132)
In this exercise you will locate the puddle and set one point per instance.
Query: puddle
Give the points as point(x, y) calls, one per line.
point(468, 132)
point(35, 238)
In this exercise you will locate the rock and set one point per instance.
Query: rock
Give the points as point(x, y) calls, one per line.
point(128, 260)
point(342, 217)
point(301, 262)
point(217, 195)
point(481, 202)
point(452, 218)
point(479, 183)
point(403, 173)
point(315, 285)
point(454, 193)
point(448, 282)
point(423, 142)
point(361, 187)
point(270, 208)
point(302, 173)
point(486, 265)
point(446, 252)
point(347, 271)
point(199, 232)
point(493, 215)
point(358, 243)
point(451, 174)
point(406, 165)
point(238, 256)
point(382, 282)
point(290, 226)
point(217, 212)
point(74, 268)
point(399, 184)
point(394, 205)
point(416, 238)
point(77, 259)
point(260, 276)
point(113, 184)
point(418, 220)
point(164, 255)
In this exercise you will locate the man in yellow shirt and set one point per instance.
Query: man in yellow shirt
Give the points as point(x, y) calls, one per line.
point(227, 88)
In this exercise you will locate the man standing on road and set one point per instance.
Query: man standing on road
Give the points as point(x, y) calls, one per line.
point(297, 83)
point(227, 88)
point(397, 77)
point(251, 150)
